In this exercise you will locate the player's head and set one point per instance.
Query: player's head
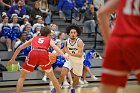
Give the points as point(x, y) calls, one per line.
point(73, 31)
point(45, 31)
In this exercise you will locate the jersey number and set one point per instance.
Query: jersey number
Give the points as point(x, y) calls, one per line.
point(132, 7)
point(73, 52)
point(40, 40)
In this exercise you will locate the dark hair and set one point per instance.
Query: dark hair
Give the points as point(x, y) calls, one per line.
point(45, 31)
point(4, 17)
point(22, 34)
point(59, 34)
point(73, 26)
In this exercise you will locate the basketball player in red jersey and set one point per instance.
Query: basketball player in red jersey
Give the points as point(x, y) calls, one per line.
point(122, 44)
point(38, 56)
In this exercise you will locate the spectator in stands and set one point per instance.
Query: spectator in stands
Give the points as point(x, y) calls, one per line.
point(90, 20)
point(54, 28)
point(23, 53)
point(15, 27)
point(5, 31)
point(61, 37)
point(87, 66)
point(46, 12)
point(36, 11)
point(3, 6)
point(18, 9)
point(25, 21)
point(39, 22)
point(37, 31)
point(66, 6)
point(28, 30)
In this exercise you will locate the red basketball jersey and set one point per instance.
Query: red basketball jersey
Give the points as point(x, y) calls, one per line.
point(41, 42)
point(128, 18)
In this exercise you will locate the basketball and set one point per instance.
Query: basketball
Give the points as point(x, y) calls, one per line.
point(52, 57)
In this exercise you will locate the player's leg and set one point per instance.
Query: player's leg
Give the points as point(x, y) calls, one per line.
point(90, 72)
point(75, 81)
point(21, 79)
point(115, 69)
point(66, 68)
point(63, 74)
point(55, 82)
point(84, 76)
point(104, 88)
point(70, 78)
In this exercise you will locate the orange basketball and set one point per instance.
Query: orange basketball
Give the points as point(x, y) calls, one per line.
point(52, 57)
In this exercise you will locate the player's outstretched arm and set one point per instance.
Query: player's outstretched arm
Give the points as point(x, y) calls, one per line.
point(58, 49)
point(24, 45)
point(104, 15)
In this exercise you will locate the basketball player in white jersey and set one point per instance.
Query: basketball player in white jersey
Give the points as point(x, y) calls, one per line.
point(74, 47)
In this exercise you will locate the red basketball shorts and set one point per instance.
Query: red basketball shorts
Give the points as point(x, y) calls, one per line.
point(37, 57)
point(122, 56)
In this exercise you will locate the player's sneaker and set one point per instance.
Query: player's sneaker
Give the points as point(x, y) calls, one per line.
point(85, 82)
point(93, 77)
point(65, 83)
point(44, 78)
point(81, 82)
point(53, 90)
point(72, 90)
point(51, 84)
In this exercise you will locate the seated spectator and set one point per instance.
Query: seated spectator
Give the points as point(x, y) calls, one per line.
point(54, 30)
point(18, 9)
point(3, 6)
point(23, 53)
point(66, 6)
point(46, 12)
point(61, 37)
point(39, 22)
point(36, 11)
point(15, 27)
point(28, 30)
point(90, 19)
point(87, 66)
point(37, 31)
point(25, 21)
point(5, 32)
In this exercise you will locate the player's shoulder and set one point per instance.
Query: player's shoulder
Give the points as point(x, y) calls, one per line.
point(80, 40)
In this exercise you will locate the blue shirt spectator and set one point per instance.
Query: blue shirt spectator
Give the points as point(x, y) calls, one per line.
point(65, 4)
point(18, 9)
point(23, 53)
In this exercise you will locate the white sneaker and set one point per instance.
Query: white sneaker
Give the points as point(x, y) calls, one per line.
point(85, 82)
point(71, 83)
point(44, 78)
point(9, 50)
point(93, 77)
point(65, 83)
point(81, 82)
point(51, 84)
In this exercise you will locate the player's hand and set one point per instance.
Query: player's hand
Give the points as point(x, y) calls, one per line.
point(11, 61)
point(66, 57)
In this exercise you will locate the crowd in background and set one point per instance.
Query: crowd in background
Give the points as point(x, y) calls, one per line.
point(22, 20)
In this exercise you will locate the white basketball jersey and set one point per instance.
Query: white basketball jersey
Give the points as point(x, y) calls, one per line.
point(73, 48)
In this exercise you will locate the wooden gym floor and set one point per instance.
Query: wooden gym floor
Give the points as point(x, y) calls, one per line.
point(131, 87)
